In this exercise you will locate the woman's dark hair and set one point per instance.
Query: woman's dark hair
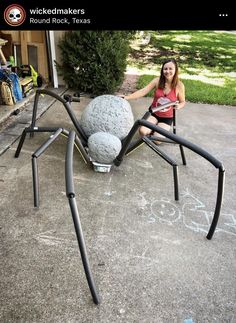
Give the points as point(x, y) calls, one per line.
point(175, 80)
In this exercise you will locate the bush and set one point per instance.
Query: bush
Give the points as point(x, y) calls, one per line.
point(94, 61)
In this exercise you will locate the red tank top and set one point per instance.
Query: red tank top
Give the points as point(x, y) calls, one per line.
point(161, 98)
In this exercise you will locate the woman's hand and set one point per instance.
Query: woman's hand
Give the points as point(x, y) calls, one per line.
point(176, 106)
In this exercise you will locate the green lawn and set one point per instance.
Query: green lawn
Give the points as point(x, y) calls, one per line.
point(207, 62)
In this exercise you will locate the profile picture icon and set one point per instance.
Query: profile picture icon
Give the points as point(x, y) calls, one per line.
point(14, 15)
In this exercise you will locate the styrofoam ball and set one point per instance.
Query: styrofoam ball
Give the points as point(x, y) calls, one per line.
point(103, 147)
point(108, 113)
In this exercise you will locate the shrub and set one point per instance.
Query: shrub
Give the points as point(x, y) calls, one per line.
point(94, 61)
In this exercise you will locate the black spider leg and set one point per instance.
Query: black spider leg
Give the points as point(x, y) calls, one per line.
point(169, 160)
point(185, 143)
point(35, 155)
point(154, 138)
point(70, 193)
point(149, 141)
point(42, 148)
point(81, 138)
point(138, 142)
point(174, 131)
point(67, 104)
point(152, 110)
point(72, 140)
point(64, 132)
point(29, 130)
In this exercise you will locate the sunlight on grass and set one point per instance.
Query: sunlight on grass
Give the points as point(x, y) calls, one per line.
point(185, 38)
point(204, 79)
point(231, 74)
point(210, 73)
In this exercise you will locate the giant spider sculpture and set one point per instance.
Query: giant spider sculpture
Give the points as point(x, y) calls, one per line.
point(79, 139)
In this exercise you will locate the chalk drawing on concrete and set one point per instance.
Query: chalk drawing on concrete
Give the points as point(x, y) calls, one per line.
point(166, 211)
point(191, 212)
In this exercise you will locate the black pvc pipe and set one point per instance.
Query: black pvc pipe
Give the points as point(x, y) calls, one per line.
point(182, 154)
point(80, 147)
point(47, 143)
point(169, 161)
point(21, 142)
point(180, 146)
point(67, 107)
point(35, 181)
point(31, 130)
point(35, 155)
point(50, 129)
point(176, 182)
point(159, 151)
point(169, 135)
point(70, 193)
point(146, 115)
point(219, 199)
point(151, 110)
point(154, 138)
point(174, 121)
point(41, 129)
point(126, 142)
point(74, 120)
point(83, 251)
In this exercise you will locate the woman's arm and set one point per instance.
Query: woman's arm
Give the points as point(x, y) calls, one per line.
point(142, 92)
point(181, 95)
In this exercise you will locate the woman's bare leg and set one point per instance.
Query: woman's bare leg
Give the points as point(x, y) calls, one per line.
point(144, 131)
point(164, 126)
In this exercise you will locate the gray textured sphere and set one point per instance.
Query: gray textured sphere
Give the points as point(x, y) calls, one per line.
point(103, 147)
point(108, 113)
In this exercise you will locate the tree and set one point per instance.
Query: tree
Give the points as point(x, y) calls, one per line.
point(94, 61)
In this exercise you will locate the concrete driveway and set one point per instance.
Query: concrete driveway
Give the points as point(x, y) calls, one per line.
point(148, 253)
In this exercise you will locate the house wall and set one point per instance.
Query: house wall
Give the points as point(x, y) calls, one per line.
point(58, 34)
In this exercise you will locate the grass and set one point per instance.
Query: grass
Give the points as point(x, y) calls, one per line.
point(207, 61)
